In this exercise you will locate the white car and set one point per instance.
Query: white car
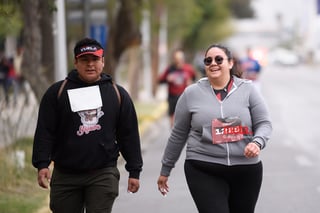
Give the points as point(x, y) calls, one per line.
point(283, 56)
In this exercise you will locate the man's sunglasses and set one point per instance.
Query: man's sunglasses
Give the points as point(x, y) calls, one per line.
point(208, 60)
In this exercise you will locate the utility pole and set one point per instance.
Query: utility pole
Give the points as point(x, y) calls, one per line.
point(163, 40)
point(146, 55)
point(60, 49)
point(311, 19)
point(86, 17)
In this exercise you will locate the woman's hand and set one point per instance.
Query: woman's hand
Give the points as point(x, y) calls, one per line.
point(163, 185)
point(251, 150)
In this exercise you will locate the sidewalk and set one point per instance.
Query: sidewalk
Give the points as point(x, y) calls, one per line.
point(150, 119)
point(148, 198)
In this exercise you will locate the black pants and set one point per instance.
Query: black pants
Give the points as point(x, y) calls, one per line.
point(172, 102)
point(94, 191)
point(218, 188)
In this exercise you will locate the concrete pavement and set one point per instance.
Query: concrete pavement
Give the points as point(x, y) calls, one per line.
point(149, 199)
point(291, 160)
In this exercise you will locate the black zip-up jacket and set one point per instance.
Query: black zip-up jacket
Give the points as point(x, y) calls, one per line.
point(61, 135)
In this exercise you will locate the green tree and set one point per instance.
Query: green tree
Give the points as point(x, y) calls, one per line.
point(124, 32)
point(211, 25)
point(37, 40)
point(194, 24)
point(123, 24)
point(241, 9)
point(191, 25)
point(10, 19)
point(197, 23)
point(31, 20)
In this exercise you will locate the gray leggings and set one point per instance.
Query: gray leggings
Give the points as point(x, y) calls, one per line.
point(93, 191)
point(223, 189)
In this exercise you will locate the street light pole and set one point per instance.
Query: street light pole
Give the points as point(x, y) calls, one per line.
point(60, 49)
point(146, 57)
point(86, 17)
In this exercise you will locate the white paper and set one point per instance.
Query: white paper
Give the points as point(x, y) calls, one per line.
point(85, 98)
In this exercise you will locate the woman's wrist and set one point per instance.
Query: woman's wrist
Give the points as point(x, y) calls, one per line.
point(258, 144)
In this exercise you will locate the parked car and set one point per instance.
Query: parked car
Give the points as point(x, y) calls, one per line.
point(283, 56)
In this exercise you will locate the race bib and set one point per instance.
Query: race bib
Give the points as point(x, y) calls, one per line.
point(225, 130)
point(85, 98)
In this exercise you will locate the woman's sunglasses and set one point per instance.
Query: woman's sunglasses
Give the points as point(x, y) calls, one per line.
point(208, 60)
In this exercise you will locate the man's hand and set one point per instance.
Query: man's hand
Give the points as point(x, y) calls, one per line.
point(133, 185)
point(44, 177)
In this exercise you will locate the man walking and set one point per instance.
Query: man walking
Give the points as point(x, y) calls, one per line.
point(84, 122)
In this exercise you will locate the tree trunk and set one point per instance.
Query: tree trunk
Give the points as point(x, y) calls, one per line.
point(159, 22)
point(133, 71)
point(154, 63)
point(47, 50)
point(124, 31)
point(32, 40)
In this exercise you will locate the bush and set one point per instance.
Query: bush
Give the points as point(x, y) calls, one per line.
point(19, 190)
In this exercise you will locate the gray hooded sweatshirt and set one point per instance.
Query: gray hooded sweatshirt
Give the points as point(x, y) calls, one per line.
point(217, 131)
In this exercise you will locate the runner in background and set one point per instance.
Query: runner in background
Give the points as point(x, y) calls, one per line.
point(178, 75)
point(251, 68)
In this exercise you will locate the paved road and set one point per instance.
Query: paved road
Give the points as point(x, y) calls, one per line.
point(148, 199)
point(291, 160)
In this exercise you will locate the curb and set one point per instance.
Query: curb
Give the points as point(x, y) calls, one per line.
point(148, 120)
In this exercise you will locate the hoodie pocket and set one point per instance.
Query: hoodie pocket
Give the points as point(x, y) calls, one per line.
point(218, 150)
point(111, 150)
point(206, 136)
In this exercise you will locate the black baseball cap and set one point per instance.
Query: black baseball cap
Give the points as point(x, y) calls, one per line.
point(88, 46)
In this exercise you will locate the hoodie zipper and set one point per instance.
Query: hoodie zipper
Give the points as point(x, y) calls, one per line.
point(221, 113)
point(232, 89)
point(227, 144)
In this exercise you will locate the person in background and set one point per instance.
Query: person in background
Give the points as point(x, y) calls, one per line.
point(251, 67)
point(198, 63)
point(12, 81)
point(178, 75)
point(4, 73)
point(84, 122)
point(225, 123)
point(17, 62)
